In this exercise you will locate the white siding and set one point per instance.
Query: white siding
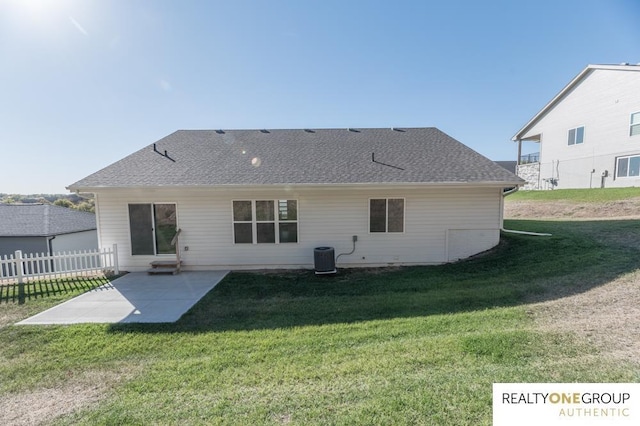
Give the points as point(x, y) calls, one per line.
point(87, 240)
point(325, 218)
point(458, 246)
point(602, 103)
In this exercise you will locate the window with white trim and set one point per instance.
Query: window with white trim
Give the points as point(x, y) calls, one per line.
point(265, 221)
point(576, 136)
point(628, 166)
point(634, 127)
point(386, 215)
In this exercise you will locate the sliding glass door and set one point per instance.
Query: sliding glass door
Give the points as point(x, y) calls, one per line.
point(152, 227)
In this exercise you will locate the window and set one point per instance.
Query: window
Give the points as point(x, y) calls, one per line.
point(386, 215)
point(242, 222)
point(628, 166)
point(265, 221)
point(152, 227)
point(576, 136)
point(635, 124)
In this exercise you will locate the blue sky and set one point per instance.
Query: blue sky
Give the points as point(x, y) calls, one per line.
point(87, 82)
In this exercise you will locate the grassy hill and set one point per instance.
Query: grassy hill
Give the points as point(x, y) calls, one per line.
point(596, 195)
point(401, 346)
point(574, 203)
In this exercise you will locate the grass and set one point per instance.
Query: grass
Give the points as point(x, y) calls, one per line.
point(418, 345)
point(577, 195)
point(24, 300)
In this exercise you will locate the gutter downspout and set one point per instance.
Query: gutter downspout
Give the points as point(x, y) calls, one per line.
point(512, 231)
point(50, 247)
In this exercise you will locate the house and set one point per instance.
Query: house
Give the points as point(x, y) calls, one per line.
point(44, 228)
point(588, 135)
point(254, 199)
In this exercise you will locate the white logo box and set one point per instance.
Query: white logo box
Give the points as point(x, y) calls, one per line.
point(566, 404)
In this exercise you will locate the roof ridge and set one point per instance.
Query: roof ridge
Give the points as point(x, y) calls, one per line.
point(305, 128)
point(47, 219)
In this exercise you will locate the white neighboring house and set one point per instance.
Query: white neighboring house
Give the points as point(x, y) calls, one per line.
point(588, 134)
point(254, 199)
point(44, 228)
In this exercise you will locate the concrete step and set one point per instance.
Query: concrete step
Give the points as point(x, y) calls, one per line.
point(164, 263)
point(163, 270)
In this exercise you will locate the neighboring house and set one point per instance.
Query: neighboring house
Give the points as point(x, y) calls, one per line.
point(588, 135)
point(252, 199)
point(44, 228)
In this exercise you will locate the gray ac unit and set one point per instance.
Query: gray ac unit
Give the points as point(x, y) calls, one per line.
point(324, 260)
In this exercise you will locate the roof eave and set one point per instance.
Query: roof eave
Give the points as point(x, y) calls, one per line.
point(54, 234)
point(519, 182)
point(519, 135)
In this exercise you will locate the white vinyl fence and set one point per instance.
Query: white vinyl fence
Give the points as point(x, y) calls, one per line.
point(24, 267)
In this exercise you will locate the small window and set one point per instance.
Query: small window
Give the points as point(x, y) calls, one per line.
point(576, 136)
point(265, 221)
point(386, 215)
point(242, 222)
point(635, 124)
point(288, 221)
point(628, 166)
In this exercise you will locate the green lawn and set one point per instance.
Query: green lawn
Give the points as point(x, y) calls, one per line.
point(418, 345)
point(21, 301)
point(577, 195)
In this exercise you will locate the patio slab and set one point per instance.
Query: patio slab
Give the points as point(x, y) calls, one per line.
point(135, 297)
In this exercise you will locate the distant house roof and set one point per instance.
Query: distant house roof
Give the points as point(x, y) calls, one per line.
point(573, 83)
point(303, 156)
point(42, 220)
point(509, 165)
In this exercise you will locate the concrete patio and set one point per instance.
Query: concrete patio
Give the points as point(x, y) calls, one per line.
point(133, 298)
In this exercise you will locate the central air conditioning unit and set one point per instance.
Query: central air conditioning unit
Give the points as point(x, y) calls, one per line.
point(324, 260)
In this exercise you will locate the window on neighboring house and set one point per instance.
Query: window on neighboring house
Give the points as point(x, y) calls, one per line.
point(152, 228)
point(635, 124)
point(628, 166)
point(386, 215)
point(576, 136)
point(265, 221)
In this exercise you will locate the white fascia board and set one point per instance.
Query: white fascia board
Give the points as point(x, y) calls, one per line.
point(322, 186)
point(550, 104)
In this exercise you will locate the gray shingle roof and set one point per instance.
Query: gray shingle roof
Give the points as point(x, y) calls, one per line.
point(509, 165)
point(320, 156)
point(42, 220)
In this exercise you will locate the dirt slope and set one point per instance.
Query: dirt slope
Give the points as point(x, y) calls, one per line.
point(570, 210)
point(609, 315)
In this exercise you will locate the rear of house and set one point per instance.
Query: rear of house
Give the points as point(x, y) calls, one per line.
point(251, 199)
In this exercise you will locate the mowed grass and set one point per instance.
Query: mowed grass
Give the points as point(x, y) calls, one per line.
point(418, 345)
point(577, 195)
point(24, 300)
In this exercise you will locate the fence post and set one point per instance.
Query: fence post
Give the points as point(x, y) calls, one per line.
point(19, 263)
point(116, 268)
